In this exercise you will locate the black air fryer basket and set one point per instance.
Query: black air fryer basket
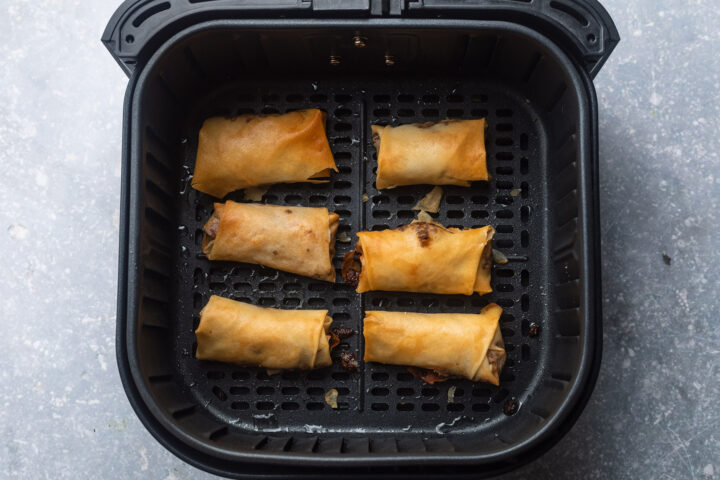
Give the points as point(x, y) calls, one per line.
point(525, 65)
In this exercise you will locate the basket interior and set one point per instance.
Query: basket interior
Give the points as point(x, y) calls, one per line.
point(533, 202)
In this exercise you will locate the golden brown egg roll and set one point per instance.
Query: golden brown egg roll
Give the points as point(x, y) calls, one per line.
point(450, 152)
point(447, 344)
point(252, 150)
point(422, 257)
point(237, 332)
point(298, 240)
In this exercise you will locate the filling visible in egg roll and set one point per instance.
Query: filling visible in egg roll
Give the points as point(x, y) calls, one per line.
point(439, 345)
point(299, 240)
point(422, 257)
point(237, 332)
point(252, 150)
point(450, 152)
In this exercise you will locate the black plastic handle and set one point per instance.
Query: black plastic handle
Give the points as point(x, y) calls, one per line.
point(581, 27)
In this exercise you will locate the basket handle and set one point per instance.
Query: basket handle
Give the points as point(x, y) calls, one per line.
point(582, 27)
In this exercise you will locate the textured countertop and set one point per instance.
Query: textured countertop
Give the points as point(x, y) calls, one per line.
point(654, 413)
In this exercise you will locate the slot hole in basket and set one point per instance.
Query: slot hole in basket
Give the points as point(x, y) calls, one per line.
point(430, 391)
point(430, 407)
point(265, 390)
point(525, 352)
point(380, 391)
point(501, 395)
point(405, 407)
point(219, 393)
point(504, 273)
point(379, 376)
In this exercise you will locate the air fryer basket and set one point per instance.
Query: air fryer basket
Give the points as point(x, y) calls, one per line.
point(542, 200)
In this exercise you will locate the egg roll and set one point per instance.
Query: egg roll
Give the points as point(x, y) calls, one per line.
point(444, 344)
point(450, 152)
point(237, 332)
point(298, 240)
point(253, 150)
point(422, 257)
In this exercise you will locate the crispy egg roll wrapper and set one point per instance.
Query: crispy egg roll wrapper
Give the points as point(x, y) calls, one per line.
point(424, 257)
point(252, 150)
point(450, 152)
point(462, 345)
point(237, 332)
point(299, 240)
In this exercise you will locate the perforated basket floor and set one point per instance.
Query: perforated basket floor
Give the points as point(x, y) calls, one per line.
point(279, 411)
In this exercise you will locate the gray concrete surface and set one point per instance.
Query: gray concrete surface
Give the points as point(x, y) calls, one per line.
point(654, 414)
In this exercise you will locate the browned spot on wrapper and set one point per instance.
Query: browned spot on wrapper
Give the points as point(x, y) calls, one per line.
point(423, 234)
